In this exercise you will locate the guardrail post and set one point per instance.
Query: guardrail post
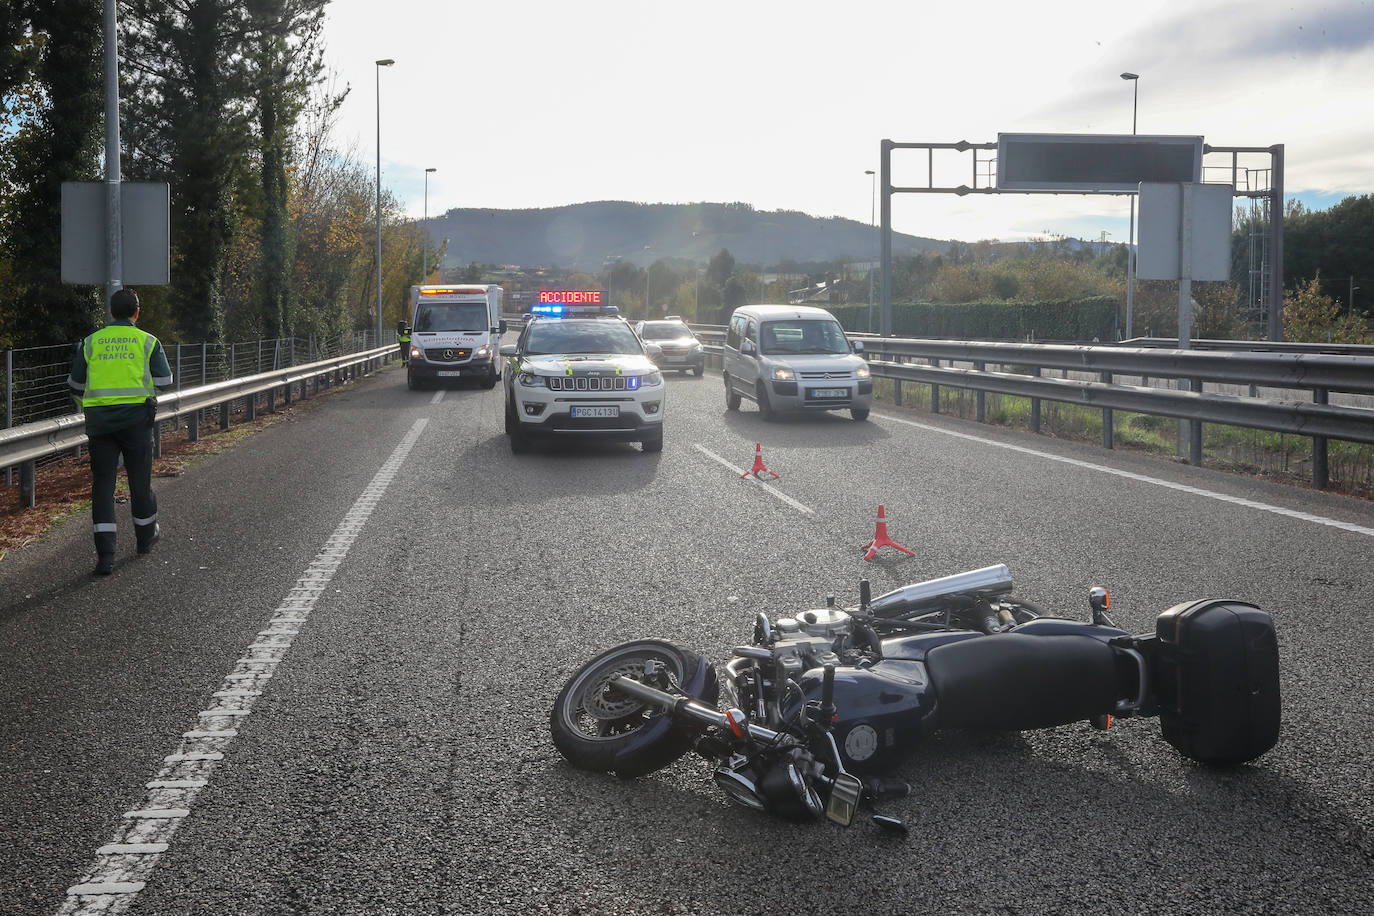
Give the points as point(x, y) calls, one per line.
point(271, 400)
point(897, 392)
point(28, 492)
point(224, 415)
point(981, 397)
point(9, 404)
point(1035, 404)
point(251, 407)
point(193, 426)
point(286, 395)
point(935, 391)
point(1321, 477)
point(1195, 432)
point(1108, 434)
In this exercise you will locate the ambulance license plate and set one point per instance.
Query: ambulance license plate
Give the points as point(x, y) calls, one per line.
point(596, 411)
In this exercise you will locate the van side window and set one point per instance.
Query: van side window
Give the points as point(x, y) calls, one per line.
point(752, 332)
point(734, 333)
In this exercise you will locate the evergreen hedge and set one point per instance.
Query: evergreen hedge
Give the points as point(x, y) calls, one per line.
point(1059, 319)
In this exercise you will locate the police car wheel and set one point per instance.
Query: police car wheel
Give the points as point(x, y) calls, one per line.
point(699, 371)
point(653, 443)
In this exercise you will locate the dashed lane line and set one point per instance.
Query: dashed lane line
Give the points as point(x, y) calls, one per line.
point(122, 867)
point(804, 510)
point(1142, 478)
point(438, 396)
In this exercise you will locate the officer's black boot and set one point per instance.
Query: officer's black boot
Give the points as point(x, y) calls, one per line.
point(148, 535)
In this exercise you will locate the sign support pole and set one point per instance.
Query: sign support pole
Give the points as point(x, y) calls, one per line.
point(114, 255)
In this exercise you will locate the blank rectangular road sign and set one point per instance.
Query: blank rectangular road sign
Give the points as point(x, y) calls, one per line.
point(1088, 163)
point(145, 232)
point(1162, 230)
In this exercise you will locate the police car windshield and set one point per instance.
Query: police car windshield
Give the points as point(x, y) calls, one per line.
point(664, 330)
point(581, 335)
point(452, 316)
point(798, 335)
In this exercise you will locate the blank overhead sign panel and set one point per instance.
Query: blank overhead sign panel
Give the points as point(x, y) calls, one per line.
point(1094, 162)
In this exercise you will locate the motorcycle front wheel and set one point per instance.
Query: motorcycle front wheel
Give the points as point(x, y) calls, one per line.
point(599, 728)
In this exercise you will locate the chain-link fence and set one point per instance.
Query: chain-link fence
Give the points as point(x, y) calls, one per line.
point(34, 385)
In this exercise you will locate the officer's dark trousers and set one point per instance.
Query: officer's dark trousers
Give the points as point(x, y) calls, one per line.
point(405, 352)
point(135, 443)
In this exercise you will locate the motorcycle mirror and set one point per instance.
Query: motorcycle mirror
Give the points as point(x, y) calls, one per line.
point(888, 824)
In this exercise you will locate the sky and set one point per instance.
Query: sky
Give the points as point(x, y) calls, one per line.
point(782, 105)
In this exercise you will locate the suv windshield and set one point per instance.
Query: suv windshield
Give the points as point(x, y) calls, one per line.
point(452, 316)
point(665, 330)
point(800, 335)
point(592, 335)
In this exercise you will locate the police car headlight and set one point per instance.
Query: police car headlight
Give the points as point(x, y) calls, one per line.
point(530, 380)
point(862, 372)
point(782, 374)
point(651, 379)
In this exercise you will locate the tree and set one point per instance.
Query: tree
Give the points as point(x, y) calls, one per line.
point(188, 125)
point(56, 138)
point(1310, 316)
point(721, 267)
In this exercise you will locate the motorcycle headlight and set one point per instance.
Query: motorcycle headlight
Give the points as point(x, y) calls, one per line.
point(862, 372)
point(530, 380)
point(782, 374)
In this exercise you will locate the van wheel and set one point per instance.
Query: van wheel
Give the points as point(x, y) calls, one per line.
point(732, 400)
point(489, 382)
point(765, 408)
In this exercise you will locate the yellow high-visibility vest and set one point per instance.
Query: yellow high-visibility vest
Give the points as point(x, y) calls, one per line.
point(117, 366)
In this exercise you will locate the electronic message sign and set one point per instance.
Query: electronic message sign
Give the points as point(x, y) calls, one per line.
point(1084, 163)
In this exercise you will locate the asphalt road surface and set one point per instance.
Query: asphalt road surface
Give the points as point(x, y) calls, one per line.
point(396, 599)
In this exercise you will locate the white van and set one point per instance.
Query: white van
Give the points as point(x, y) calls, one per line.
point(455, 333)
point(794, 357)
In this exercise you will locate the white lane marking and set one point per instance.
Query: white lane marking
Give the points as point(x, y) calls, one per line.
point(121, 867)
point(780, 495)
point(1142, 478)
point(438, 396)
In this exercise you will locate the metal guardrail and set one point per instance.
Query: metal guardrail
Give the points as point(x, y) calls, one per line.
point(23, 446)
point(1313, 369)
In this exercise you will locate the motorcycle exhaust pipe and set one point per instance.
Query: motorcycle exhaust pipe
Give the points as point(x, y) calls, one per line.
point(931, 594)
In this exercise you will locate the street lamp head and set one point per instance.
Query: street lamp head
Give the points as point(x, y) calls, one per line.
point(868, 171)
point(1130, 76)
point(431, 170)
point(385, 63)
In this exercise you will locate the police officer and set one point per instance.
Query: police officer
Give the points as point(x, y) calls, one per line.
point(403, 338)
point(117, 371)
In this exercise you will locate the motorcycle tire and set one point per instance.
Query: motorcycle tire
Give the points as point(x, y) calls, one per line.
point(597, 728)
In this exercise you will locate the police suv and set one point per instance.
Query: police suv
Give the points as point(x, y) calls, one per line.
point(580, 371)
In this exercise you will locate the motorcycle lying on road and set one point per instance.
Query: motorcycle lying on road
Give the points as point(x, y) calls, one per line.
point(800, 722)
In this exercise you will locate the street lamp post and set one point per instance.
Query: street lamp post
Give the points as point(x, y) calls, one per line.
point(380, 64)
point(872, 224)
point(424, 234)
point(1134, 79)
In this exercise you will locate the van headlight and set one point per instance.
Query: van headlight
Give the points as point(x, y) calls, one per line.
point(782, 374)
point(862, 372)
point(530, 380)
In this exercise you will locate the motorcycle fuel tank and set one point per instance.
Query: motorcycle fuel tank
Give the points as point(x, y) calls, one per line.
point(879, 710)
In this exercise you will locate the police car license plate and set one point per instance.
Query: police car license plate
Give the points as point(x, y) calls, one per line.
point(829, 392)
point(448, 372)
point(596, 411)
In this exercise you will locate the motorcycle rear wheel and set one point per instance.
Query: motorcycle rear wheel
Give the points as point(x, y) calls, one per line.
point(598, 728)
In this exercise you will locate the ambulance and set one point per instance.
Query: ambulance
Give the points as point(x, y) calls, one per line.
point(455, 334)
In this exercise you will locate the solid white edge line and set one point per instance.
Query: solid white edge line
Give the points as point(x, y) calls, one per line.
point(778, 493)
point(101, 892)
point(1142, 478)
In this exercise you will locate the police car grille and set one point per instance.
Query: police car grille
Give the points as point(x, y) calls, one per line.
point(587, 383)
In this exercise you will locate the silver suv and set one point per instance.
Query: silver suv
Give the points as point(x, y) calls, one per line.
point(794, 357)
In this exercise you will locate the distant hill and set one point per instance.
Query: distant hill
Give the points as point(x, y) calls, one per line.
point(584, 236)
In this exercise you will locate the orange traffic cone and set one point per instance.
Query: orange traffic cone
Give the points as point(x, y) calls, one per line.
point(759, 467)
point(880, 539)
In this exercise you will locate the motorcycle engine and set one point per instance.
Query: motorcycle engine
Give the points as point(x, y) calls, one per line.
point(826, 621)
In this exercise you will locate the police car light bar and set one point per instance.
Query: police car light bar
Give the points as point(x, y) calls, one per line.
point(571, 302)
